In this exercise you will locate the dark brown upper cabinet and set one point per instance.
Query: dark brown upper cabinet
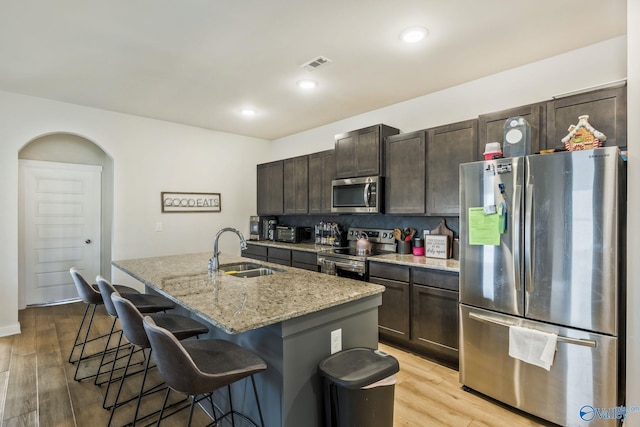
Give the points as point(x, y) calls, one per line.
point(606, 108)
point(361, 152)
point(321, 172)
point(296, 185)
point(491, 126)
point(405, 173)
point(270, 188)
point(448, 147)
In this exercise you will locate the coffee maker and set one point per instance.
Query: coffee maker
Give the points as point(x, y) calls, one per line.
point(262, 228)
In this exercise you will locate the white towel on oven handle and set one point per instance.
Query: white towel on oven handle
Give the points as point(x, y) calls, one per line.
point(532, 346)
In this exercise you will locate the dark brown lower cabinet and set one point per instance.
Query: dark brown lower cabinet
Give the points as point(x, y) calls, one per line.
point(257, 252)
point(393, 314)
point(419, 310)
point(305, 260)
point(279, 256)
point(434, 322)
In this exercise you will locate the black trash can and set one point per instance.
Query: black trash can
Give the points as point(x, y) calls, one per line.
point(358, 386)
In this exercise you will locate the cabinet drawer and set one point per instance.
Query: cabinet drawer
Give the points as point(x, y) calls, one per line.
point(389, 271)
point(305, 266)
point(436, 279)
point(278, 253)
point(304, 257)
point(256, 250)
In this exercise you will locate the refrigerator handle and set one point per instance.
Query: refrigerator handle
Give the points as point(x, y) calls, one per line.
point(529, 232)
point(515, 235)
point(561, 338)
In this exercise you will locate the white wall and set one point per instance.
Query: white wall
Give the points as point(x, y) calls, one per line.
point(149, 156)
point(531, 83)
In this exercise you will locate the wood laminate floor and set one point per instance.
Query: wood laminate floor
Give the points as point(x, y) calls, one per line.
point(37, 386)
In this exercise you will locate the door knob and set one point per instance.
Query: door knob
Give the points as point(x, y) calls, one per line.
point(87, 241)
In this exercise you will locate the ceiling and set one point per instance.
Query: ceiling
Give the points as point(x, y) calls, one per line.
point(198, 62)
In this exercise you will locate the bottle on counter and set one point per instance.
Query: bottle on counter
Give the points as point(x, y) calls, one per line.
point(418, 246)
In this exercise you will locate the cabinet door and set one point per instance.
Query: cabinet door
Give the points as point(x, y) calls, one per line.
point(606, 108)
point(405, 188)
point(276, 190)
point(321, 173)
point(448, 147)
point(316, 183)
point(345, 155)
point(263, 189)
point(296, 176)
point(434, 321)
point(270, 188)
point(393, 314)
point(329, 174)
point(368, 152)
point(491, 127)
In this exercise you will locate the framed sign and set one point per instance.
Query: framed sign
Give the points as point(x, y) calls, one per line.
point(436, 246)
point(190, 202)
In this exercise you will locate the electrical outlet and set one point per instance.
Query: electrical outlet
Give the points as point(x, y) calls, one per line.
point(336, 341)
point(158, 226)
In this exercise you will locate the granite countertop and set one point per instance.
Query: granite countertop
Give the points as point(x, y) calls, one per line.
point(409, 260)
point(419, 261)
point(307, 247)
point(237, 304)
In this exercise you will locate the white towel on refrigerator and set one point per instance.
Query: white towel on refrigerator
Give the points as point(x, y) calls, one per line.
point(532, 346)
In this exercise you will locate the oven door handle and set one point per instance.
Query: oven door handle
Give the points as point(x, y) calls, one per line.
point(347, 265)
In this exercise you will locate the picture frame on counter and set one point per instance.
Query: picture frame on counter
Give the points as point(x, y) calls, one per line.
point(436, 246)
point(176, 202)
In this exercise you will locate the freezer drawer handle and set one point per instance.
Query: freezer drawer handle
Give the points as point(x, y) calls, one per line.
point(576, 341)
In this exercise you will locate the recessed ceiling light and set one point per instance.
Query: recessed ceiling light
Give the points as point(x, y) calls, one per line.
point(307, 84)
point(413, 34)
point(248, 112)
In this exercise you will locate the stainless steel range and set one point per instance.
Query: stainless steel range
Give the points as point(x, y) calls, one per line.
point(351, 261)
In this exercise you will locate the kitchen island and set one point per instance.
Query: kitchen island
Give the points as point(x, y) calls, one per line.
point(286, 318)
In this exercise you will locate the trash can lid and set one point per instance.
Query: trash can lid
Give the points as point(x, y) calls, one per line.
point(358, 367)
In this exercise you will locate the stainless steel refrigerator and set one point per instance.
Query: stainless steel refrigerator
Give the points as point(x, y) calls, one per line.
point(556, 265)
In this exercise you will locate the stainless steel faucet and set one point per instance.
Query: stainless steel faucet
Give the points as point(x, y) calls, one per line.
point(213, 262)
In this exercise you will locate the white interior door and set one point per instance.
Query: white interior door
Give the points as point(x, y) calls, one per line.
point(60, 227)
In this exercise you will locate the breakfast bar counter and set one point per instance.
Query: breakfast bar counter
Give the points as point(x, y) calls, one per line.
point(287, 318)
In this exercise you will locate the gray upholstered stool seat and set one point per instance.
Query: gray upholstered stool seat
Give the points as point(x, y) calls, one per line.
point(90, 295)
point(145, 303)
point(199, 367)
point(132, 327)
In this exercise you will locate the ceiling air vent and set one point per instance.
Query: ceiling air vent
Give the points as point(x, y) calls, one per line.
point(315, 63)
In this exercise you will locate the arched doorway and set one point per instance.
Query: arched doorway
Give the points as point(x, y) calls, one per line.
point(67, 152)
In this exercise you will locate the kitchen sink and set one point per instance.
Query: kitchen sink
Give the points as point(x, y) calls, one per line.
point(241, 266)
point(247, 269)
point(252, 273)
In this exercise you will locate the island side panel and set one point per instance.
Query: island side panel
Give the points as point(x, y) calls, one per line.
point(267, 343)
point(307, 341)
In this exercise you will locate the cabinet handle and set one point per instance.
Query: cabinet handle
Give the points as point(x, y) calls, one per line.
point(576, 341)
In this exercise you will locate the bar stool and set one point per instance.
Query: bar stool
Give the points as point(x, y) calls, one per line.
point(199, 367)
point(146, 303)
point(90, 295)
point(131, 320)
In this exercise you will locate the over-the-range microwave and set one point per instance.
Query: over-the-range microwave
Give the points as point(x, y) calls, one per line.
point(357, 195)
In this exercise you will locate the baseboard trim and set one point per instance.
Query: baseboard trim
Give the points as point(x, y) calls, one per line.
point(14, 329)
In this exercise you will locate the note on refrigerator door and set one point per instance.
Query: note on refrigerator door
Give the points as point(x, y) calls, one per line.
point(484, 229)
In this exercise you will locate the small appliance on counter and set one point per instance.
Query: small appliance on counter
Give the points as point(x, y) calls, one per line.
point(255, 228)
point(289, 234)
point(269, 228)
